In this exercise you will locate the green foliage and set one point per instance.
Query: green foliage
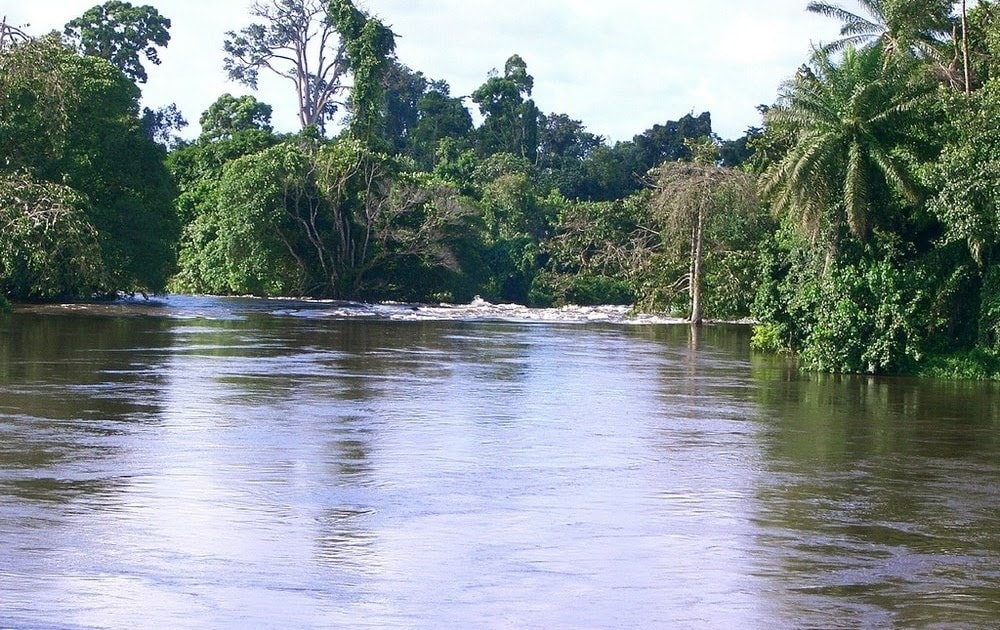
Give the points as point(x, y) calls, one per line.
point(37, 99)
point(988, 328)
point(850, 129)
point(516, 219)
point(983, 36)
point(769, 337)
point(325, 220)
point(510, 118)
point(688, 200)
point(870, 320)
point(230, 115)
point(894, 27)
point(70, 120)
point(977, 364)
point(967, 175)
point(670, 142)
point(875, 309)
point(403, 90)
point(369, 45)
point(48, 247)
point(120, 33)
point(550, 289)
point(443, 129)
point(607, 173)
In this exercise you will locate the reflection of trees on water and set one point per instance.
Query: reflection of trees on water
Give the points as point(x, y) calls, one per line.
point(73, 389)
point(707, 364)
point(881, 504)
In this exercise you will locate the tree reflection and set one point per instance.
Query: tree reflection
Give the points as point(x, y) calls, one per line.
point(880, 502)
point(73, 387)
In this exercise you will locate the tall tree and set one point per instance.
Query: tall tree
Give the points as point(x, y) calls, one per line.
point(229, 115)
point(897, 26)
point(510, 118)
point(440, 116)
point(849, 127)
point(122, 34)
point(563, 145)
point(69, 120)
point(687, 195)
point(669, 142)
point(370, 47)
point(403, 90)
point(298, 41)
point(561, 138)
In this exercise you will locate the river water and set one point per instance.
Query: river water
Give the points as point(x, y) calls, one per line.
point(209, 463)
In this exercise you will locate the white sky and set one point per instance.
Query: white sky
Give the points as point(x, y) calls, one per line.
point(619, 67)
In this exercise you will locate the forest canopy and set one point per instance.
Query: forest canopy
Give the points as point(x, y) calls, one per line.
point(857, 225)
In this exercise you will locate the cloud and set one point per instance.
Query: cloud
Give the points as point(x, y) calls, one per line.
point(618, 67)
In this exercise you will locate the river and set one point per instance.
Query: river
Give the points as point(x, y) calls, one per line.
point(213, 463)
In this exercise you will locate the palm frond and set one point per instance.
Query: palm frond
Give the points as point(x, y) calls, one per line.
point(856, 191)
point(832, 11)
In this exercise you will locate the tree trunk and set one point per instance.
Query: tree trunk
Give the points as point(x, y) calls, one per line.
point(965, 52)
point(696, 256)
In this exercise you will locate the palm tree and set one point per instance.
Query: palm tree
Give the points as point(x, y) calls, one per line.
point(847, 126)
point(899, 27)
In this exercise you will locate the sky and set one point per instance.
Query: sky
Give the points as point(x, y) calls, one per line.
point(618, 67)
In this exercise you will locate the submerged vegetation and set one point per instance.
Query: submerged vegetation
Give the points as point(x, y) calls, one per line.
point(858, 225)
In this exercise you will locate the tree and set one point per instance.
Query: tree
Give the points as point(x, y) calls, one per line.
point(10, 35)
point(231, 128)
point(600, 253)
point(68, 120)
point(48, 246)
point(912, 27)
point(36, 103)
point(517, 217)
point(669, 142)
point(296, 40)
point(850, 128)
point(614, 172)
point(319, 219)
point(403, 90)
point(229, 115)
point(981, 41)
point(121, 33)
point(369, 46)
point(161, 125)
point(563, 145)
point(510, 118)
point(687, 195)
point(563, 139)
point(439, 116)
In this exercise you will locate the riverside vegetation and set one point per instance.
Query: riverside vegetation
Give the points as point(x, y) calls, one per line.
point(858, 225)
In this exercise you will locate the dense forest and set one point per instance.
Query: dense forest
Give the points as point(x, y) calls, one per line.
point(857, 225)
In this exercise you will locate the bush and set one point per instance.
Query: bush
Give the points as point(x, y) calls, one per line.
point(584, 290)
point(871, 311)
point(48, 248)
point(977, 364)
